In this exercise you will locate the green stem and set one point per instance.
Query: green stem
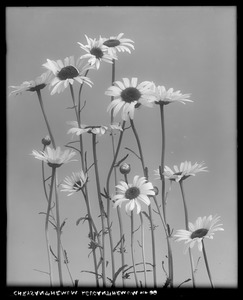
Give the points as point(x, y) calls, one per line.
point(85, 194)
point(149, 208)
point(91, 224)
point(143, 250)
point(187, 228)
point(207, 265)
point(162, 164)
point(47, 225)
point(44, 115)
point(132, 250)
point(102, 212)
point(58, 230)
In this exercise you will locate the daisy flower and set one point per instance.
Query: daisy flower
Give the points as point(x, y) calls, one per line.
point(117, 43)
point(99, 130)
point(54, 157)
point(185, 170)
point(33, 85)
point(133, 193)
point(130, 95)
point(203, 228)
point(166, 97)
point(96, 52)
point(66, 72)
point(74, 183)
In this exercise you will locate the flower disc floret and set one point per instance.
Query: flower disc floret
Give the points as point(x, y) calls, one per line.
point(134, 193)
point(54, 157)
point(185, 170)
point(128, 95)
point(34, 85)
point(66, 72)
point(203, 228)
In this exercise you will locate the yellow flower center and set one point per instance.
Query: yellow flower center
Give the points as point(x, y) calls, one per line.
point(199, 233)
point(68, 72)
point(97, 52)
point(37, 87)
point(112, 43)
point(130, 94)
point(132, 193)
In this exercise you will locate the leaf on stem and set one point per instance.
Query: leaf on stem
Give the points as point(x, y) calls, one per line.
point(120, 161)
point(82, 219)
point(56, 258)
point(91, 272)
point(184, 282)
point(133, 152)
point(121, 239)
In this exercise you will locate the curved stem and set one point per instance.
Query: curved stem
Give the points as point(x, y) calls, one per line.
point(143, 250)
point(149, 208)
point(206, 263)
point(187, 228)
point(170, 257)
point(102, 212)
point(47, 225)
point(44, 115)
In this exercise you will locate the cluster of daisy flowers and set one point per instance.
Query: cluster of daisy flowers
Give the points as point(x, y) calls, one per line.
point(127, 95)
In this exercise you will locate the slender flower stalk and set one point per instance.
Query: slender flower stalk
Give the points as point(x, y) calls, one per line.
point(112, 168)
point(47, 225)
point(150, 210)
point(85, 193)
point(170, 257)
point(187, 228)
point(102, 212)
point(132, 249)
point(143, 250)
point(58, 230)
point(206, 263)
point(91, 226)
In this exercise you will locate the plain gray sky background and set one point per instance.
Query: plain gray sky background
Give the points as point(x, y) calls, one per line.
point(192, 49)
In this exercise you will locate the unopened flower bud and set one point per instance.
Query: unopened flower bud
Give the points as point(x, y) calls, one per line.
point(156, 190)
point(125, 168)
point(46, 141)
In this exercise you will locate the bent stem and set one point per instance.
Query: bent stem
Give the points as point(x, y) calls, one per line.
point(143, 249)
point(170, 257)
point(47, 227)
point(149, 208)
point(44, 115)
point(102, 212)
point(207, 265)
point(187, 228)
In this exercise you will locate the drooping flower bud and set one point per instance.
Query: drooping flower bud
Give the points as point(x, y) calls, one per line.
point(46, 141)
point(125, 168)
point(156, 190)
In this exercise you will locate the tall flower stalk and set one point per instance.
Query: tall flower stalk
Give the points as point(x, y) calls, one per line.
point(187, 228)
point(206, 263)
point(149, 208)
point(143, 250)
point(170, 257)
point(58, 230)
point(84, 167)
point(102, 212)
point(47, 225)
point(112, 167)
